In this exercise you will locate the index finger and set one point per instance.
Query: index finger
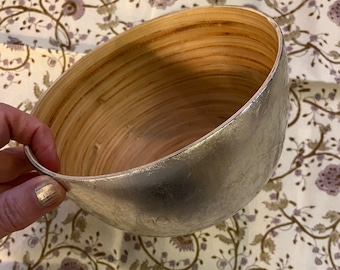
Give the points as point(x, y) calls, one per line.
point(26, 129)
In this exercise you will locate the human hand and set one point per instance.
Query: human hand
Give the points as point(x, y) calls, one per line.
point(25, 196)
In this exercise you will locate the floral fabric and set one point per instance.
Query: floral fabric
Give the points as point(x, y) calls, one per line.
point(292, 224)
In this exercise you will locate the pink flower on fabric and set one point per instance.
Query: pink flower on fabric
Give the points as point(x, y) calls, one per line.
point(311, 3)
point(334, 12)
point(33, 241)
point(183, 243)
point(329, 179)
point(72, 264)
point(74, 8)
point(161, 4)
point(14, 44)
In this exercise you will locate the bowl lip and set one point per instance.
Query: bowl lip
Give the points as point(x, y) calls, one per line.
point(65, 179)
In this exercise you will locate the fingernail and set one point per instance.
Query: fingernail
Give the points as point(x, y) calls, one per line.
point(47, 194)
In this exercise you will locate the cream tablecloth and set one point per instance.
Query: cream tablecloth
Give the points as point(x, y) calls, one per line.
point(292, 224)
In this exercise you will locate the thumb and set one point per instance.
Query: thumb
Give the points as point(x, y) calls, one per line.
point(26, 203)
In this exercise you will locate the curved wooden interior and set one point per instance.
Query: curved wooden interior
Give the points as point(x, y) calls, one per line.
point(157, 88)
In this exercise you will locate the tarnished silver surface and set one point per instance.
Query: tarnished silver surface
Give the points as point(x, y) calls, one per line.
point(202, 184)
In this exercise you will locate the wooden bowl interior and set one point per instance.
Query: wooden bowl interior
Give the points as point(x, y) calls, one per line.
point(157, 88)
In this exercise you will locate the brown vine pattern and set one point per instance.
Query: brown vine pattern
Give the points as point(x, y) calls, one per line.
point(298, 208)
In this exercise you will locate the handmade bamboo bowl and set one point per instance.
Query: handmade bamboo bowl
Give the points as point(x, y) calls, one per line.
point(173, 125)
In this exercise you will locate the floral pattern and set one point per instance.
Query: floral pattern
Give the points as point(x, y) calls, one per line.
point(74, 8)
point(296, 213)
point(162, 4)
point(334, 12)
point(329, 179)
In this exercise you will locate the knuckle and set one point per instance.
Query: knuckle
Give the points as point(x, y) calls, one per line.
point(12, 216)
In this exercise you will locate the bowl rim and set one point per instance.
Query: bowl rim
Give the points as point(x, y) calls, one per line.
point(64, 179)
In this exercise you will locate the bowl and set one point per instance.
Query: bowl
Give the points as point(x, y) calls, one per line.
point(173, 125)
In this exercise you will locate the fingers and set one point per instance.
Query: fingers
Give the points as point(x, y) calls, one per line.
point(24, 199)
point(18, 181)
point(26, 129)
point(24, 204)
point(13, 164)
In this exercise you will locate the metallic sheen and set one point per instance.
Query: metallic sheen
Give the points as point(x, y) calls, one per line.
point(46, 194)
point(201, 184)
